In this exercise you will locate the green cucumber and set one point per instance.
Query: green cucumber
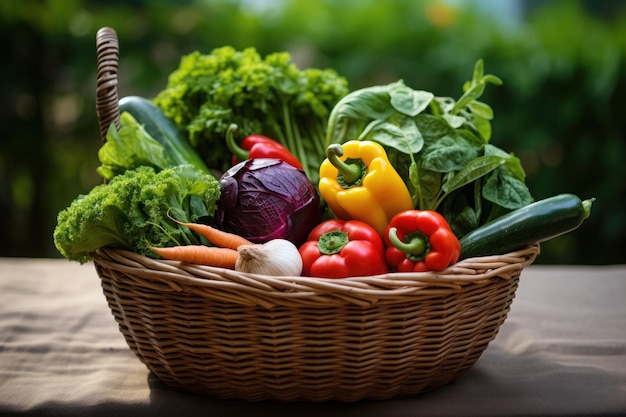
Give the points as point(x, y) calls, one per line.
point(163, 129)
point(534, 223)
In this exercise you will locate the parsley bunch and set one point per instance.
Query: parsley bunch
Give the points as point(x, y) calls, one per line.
point(269, 96)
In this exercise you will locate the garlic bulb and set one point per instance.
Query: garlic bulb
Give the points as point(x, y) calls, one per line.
point(277, 257)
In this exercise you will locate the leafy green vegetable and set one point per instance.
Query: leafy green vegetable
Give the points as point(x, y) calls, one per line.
point(440, 146)
point(176, 147)
point(269, 96)
point(129, 148)
point(131, 212)
point(132, 146)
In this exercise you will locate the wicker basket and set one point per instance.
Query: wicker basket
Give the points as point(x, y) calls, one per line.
point(226, 334)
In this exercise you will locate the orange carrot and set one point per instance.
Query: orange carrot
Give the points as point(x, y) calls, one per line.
point(200, 254)
point(215, 236)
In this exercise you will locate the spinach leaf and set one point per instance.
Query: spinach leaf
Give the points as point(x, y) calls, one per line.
point(513, 164)
point(355, 110)
point(408, 101)
point(400, 133)
point(505, 190)
point(464, 217)
point(430, 187)
point(450, 153)
point(439, 146)
point(481, 110)
point(474, 89)
point(472, 171)
point(433, 127)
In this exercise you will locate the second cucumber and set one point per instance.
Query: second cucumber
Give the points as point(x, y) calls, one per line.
point(534, 223)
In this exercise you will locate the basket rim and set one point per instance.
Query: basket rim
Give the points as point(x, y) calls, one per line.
point(247, 288)
point(467, 270)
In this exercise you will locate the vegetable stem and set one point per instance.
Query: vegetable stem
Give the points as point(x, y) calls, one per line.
point(587, 206)
point(240, 153)
point(319, 144)
point(300, 151)
point(440, 198)
point(332, 242)
point(292, 139)
point(414, 177)
point(351, 172)
point(416, 246)
point(291, 145)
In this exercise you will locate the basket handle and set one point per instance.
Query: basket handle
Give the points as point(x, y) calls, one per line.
point(107, 104)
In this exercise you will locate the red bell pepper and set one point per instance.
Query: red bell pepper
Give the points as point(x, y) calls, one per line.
point(420, 240)
point(258, 146)
point(339, 249)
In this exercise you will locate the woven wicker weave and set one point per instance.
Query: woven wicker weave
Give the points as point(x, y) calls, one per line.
point(227, 334)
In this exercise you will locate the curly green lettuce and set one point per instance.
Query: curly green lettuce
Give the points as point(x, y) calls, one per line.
point(269, 96)
point(133, 211)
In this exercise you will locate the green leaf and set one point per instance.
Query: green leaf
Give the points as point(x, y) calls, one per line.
point(471, 138)
point(505, 190)
point(367, 103)
point(408, 101)
point(414, 182)
point(454, 121)
point(366, 133)
point(473, 93)
point(494, 150)
point(481, 109)
point(513, 163)
point(463, 216)
point(436, 107)
point(354, 109)
point(475, 169)
point(479, 71)
point(482, 126)
point(432, 127)
point(474, 89)
point(430, 186)
point(450, 153)
point(489, 78)
point(404, 137)
point(128, 148)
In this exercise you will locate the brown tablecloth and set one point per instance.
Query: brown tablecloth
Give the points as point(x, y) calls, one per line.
point(562, 351)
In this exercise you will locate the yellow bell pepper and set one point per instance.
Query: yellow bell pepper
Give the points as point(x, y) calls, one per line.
point(359, 183)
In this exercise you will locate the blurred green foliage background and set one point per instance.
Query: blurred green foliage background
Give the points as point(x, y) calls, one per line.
point(561, 108)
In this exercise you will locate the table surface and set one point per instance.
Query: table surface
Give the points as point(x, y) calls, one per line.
point(561, 351)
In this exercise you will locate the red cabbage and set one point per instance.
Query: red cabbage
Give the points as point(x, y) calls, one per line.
point(264, 199)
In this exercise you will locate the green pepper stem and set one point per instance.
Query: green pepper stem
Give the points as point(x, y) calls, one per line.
point(416, 246)
point(240, 153)
point(350, 172)
point(332, 242)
